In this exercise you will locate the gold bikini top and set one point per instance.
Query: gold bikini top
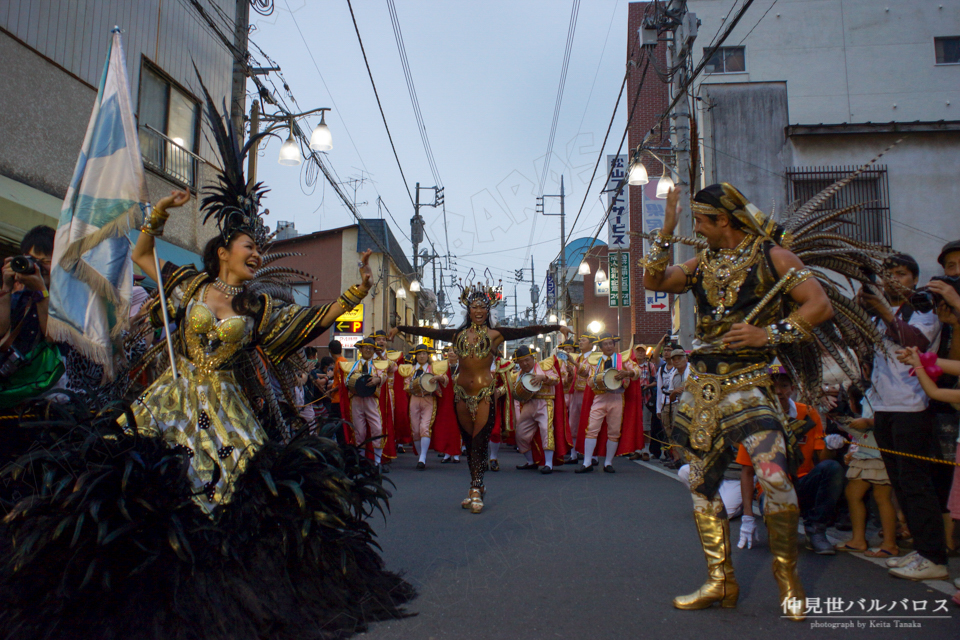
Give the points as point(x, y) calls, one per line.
point(482, 348)
point(212, 342)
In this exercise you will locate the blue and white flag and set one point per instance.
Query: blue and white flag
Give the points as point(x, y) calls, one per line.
point(92, 275)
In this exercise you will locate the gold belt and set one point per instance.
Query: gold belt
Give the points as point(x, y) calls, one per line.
point(708, 390)
point(473, 402)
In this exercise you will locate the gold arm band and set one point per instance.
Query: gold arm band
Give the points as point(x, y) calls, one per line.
point(153, 224)
point(691, 277)
point(352, 297)
point(658, 258)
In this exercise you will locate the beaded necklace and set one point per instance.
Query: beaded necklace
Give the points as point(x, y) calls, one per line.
point(725, 270)
point(227, 289)
point(479, 349)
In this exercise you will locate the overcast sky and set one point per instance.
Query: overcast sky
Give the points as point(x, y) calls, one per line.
point(486, 75)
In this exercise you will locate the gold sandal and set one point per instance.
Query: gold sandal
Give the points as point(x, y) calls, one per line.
point(466, 502)
point(476, 501)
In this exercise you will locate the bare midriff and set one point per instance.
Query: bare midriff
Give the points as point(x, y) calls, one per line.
point(476, 351)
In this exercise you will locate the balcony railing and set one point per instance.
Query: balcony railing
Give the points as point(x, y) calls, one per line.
point(165, 156)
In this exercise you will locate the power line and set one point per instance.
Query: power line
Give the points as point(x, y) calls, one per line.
point(571, 30)
point(379, 104)
point(412, 90)
point(758, 21)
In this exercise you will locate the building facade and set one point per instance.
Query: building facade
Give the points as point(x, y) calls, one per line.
point(804, 91)
point(331, 257)
point(53, 54)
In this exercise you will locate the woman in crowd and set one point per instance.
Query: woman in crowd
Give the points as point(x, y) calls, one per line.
point(476, 343)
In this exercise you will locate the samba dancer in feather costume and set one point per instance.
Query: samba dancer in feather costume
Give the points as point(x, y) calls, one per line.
point(190, 515)
point(476, 343)
point(761, 291)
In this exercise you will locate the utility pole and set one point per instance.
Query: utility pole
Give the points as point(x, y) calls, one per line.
point(416, 223)
point(683, 39)
point(561, 283)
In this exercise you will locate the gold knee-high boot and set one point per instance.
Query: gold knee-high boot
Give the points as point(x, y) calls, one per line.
point(721, 585)
point(782, 528)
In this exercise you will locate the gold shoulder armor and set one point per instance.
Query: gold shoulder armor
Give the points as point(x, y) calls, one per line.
point(345, 366)
point(440, 367)
point(406, 370)
point(381, 365)
point(547, 363)
point(594, 358)
point(394, 355)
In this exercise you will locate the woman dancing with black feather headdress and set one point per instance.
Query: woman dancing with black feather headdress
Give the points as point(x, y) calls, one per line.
point(187, 515)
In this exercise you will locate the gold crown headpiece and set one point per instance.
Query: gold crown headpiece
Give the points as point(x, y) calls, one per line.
point(480, 292)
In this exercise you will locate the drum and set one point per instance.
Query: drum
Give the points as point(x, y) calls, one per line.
point(423, 385)
point(360, 386)
point(524, 389)
point(606, 382)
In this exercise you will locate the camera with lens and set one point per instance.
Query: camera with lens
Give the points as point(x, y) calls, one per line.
point(925, 301)
point(24, 265)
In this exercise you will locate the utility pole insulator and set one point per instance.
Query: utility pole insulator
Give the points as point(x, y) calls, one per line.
point(416, 229)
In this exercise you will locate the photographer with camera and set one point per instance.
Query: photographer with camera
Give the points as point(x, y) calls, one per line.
point(902, 421)
point(29, 365)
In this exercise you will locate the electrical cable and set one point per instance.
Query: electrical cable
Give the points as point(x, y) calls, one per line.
point(379, 104)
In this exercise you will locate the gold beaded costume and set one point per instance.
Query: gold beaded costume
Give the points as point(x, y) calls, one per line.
point(206, 414)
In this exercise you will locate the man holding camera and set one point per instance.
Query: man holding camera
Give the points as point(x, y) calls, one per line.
point(901, 420)
point(28, 366)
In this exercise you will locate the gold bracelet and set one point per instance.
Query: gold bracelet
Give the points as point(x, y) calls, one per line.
point(153, 224)
point(658, 257)
point(801, 323)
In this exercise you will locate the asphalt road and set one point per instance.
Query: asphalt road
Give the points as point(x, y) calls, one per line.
point(601, 556)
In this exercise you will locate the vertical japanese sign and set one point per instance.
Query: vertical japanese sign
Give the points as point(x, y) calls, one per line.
point(653, 212)
point(613, 258)
point(618, 224)
point(551, 291)
point(624, 278)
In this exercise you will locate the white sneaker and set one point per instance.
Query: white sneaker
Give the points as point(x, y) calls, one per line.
point(921, 569)
point(902, 561)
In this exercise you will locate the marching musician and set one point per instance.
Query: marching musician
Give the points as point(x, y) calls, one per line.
point(535, 414)
point(419, 378)
point(363, 408)
point(606, 406)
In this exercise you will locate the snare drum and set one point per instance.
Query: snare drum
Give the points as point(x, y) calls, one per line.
point(524, 389)
point(606, 382)
point(423, 385)
point(360, 386)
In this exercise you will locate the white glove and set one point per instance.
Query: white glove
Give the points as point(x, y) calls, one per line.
point(834, 441)
point(748, 532)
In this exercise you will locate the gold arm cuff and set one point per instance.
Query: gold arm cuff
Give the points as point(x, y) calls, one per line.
point(153, 224)
point(658, 258)
point(801, 324)
point(352, 297)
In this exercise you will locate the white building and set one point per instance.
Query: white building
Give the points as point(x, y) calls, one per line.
point(802, 90)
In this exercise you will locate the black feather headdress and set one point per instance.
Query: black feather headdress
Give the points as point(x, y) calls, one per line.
point(232, 201)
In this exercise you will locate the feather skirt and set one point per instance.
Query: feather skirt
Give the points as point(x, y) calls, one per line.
point(103, 539)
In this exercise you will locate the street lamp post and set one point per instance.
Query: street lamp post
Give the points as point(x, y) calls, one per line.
point(320, 139)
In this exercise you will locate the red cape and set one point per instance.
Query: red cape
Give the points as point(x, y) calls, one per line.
point(631, 431)
point(401, 412)
point(562, 440)
point(446, 431)
point(389, 443)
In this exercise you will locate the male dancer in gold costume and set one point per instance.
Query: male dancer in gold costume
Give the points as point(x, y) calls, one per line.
point(751, 296)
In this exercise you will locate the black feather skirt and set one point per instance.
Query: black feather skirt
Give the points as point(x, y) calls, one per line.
point(102, 539)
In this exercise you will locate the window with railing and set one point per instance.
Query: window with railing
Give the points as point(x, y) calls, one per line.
point(168, 122)
point(870, 223)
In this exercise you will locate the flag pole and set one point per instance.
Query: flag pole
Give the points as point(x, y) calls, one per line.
point(166, 318)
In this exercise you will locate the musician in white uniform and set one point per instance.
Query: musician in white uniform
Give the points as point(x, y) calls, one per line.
point(533, 415)
point(423, 380)
point(607, 406)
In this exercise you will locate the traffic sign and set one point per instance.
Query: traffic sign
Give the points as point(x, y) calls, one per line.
point(657, 301)
point(351, 321)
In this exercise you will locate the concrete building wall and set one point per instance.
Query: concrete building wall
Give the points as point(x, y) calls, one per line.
point(744, 139)
point(53, 53)
point(924, 187)
point(844, 60)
